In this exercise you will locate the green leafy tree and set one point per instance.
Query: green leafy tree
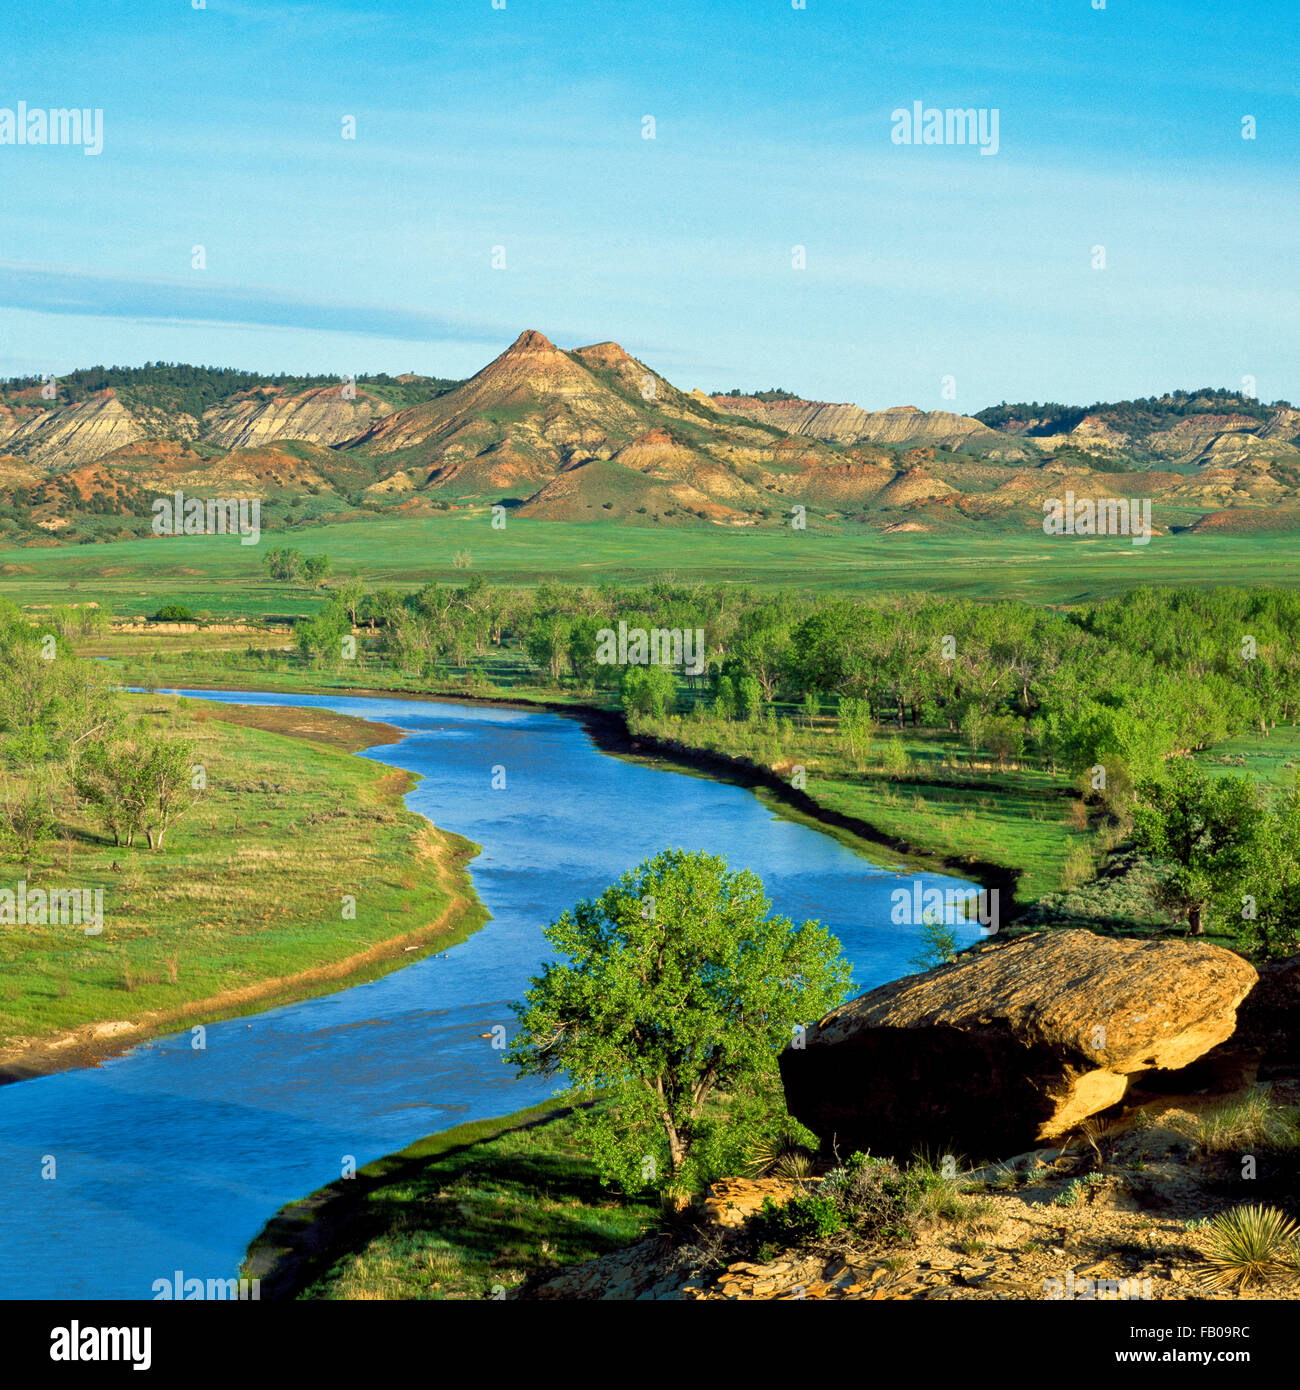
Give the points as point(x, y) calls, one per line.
point(352, 595)
point(1005, 736)
point(937, 942)
point(284, 565)
point(547, 644)
point(1203, 829)
point(107, 777)
point(321, 636)
point(749, 698)
point(856, 725)
point(316, 569)
point(167, 774)
point(27, 821)
point(49, 710)
point(1270, 909)
point(649, 690)
point(675, 983)
point(724, 700)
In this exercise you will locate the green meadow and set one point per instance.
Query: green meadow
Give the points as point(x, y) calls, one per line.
point(219, 576)
point(244, 910)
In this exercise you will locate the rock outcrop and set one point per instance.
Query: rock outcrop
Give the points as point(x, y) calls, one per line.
point(1016, 1042)
point(63, 436)
point(850, 424)
point(323, 415)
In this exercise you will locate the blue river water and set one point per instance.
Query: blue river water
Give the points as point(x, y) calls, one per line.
point(169, 1158)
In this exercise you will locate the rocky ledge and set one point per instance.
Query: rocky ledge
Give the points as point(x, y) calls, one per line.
point(1012, 1044)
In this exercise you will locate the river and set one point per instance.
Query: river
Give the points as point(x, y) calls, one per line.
point(169, 1158)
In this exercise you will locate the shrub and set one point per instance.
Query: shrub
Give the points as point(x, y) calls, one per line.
point(172, 613)
point(1070, 1196)
point(894, 761)
point(811, 1216)
point(874, 1196)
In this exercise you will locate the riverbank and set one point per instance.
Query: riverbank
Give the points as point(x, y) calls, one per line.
point(242, 912)
point(506, 1208)
point(466, 1213)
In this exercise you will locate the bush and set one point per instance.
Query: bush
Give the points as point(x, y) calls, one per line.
point(813, 1216)
point(172, 613)
point(873, 1194)
point(894, 761)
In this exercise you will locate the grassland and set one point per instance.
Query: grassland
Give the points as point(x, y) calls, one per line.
point(467, 1213)
point(219, 576)
point(244, 909)
point(918, 791)
point(1272, 758)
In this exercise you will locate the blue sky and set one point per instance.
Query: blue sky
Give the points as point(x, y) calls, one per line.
point(522, 128)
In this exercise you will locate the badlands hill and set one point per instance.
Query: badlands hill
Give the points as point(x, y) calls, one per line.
point(594, 434)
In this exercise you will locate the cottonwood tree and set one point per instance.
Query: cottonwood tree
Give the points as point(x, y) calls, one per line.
point(675, 984)
point(284, 564)
point(856, 726)
point(316, 569)
point(27, 821)
point(547, 644)
point(50, 708)
point(321, 636)
point(1270, 908)
point(168, 781)
point(649, 690)
point(107, 779)
point(138, 787)
point(1204, 830)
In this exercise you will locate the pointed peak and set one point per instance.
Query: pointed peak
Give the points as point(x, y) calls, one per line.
point(530, 340)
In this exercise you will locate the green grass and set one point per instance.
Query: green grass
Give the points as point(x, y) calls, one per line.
point(218, 574)
point(1272, 758)
point(465, 1214)
point(943, 806)
point(249, 888)
point(1253, 1122)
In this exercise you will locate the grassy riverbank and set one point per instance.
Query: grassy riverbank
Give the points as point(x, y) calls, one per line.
point(468, 1213)
point(245, 907)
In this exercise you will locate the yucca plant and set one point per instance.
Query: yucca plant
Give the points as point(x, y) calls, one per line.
point(1250, 1245)
point(768, 1151)
point(795, 1166)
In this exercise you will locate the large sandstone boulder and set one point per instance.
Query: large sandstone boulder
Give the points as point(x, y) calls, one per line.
point(1014, 1043)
